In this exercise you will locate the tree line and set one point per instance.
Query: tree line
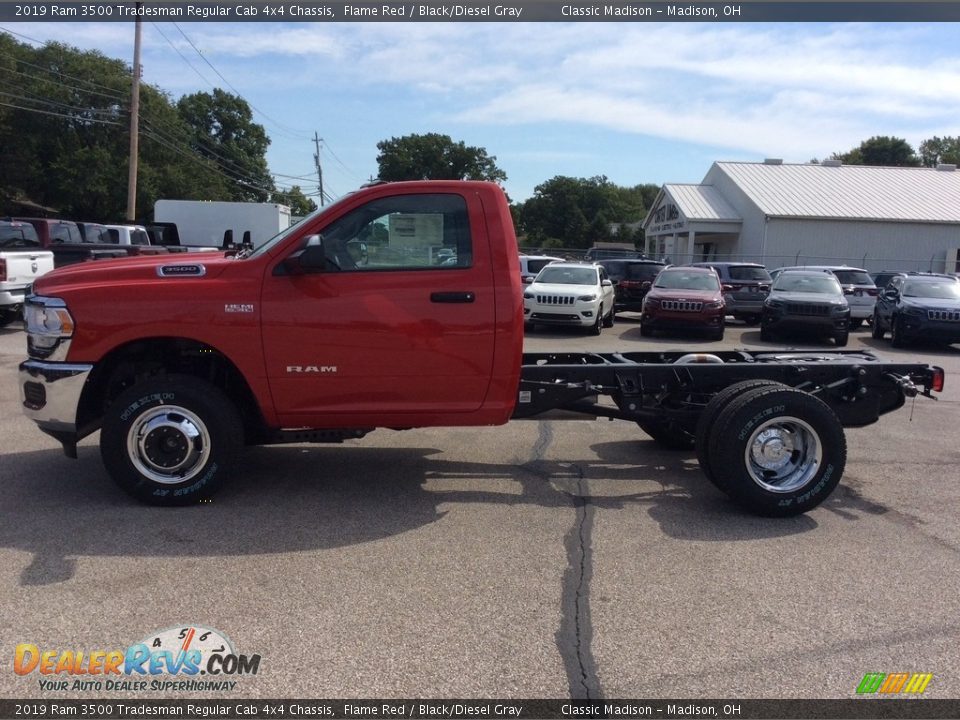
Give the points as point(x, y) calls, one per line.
point(65, 140)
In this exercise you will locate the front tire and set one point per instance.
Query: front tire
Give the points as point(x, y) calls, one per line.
point(597, 326)
point(876, 329)
point(778, 451)
point(611, 318)
point(855, 323)
point(841, 338)
point(897, 339)
point(171, 440)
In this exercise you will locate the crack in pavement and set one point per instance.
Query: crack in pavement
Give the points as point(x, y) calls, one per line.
point(574, 636)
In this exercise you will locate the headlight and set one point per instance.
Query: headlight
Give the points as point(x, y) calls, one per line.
point(587, 298)
point(777, 304)
point(840, 309)
point(528, 296)
point(48, 324)
point(651, 303)
point(713, 305)
point(913, 310)
point(48, 317)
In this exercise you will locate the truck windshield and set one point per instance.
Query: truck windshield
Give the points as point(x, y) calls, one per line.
point(284, 234)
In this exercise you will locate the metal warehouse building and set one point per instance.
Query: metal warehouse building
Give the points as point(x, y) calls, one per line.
point(788, 214)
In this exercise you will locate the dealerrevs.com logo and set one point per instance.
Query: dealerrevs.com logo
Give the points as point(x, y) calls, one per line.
point(894, 684)
point(187, 658)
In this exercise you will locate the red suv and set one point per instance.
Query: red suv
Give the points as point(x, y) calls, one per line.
point(684, 298)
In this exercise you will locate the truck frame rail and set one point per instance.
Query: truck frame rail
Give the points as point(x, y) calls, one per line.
point(767, 427)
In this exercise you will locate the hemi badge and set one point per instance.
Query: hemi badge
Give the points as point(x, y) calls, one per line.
point(181, 270)
point(238, 308)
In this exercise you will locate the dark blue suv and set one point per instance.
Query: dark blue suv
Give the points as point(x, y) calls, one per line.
point(914, 307)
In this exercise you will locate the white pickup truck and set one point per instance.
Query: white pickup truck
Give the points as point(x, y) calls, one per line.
point(21, 262)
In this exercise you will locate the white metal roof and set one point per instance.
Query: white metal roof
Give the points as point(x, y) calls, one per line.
point(701, 202)
point(855, 192)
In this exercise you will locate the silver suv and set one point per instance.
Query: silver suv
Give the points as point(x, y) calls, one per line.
point(858, 287)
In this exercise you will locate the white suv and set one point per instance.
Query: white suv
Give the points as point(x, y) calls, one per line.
point(563, 293)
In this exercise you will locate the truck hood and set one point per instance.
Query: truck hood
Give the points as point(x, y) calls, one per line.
point(807, 297)
point(684, 294)
point(137, 269)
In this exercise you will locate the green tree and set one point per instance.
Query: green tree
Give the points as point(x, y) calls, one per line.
point(299, 203)
point(435, 157)
point(576, 212)
point(882, 151)
point(222, 130)
point(64, 131)
point(938, 150)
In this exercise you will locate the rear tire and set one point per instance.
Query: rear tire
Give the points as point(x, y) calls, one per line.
point(778, 451)
point(7, 316)
point(709, 416)
point(667, 435)
point(171, 440)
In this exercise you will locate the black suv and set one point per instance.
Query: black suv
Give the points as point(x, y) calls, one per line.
point(915, 306)
point(745, 287)
point(631, 280)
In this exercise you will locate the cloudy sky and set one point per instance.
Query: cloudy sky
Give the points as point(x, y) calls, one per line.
point(637, 102)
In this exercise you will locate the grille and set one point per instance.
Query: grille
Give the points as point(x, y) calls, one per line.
point(553, 316)
point(810, 310)
point(555, 300)
point(948, 315)
point(681, 305)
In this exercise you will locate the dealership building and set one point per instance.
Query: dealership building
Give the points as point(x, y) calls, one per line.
point(775, 213)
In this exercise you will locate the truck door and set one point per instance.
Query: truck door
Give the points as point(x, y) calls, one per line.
point(397, 319)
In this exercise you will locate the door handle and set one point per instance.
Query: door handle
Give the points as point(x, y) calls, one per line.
point(452, 297)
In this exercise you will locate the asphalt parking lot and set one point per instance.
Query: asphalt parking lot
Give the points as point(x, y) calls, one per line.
point(534, 560)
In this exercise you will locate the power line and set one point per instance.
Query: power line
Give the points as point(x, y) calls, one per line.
point(290, 131)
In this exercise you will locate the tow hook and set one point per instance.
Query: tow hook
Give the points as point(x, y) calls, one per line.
point(907, 386)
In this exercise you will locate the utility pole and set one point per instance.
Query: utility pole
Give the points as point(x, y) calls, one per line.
point(134, 126)
point(316, 159)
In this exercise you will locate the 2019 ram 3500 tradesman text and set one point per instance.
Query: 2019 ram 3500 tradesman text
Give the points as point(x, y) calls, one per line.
point(180, 363)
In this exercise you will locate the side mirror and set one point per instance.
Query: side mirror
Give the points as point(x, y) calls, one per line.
point(528, 280)
point(848, 291)
point(726, 288)
point(646, 285)
point(606, 283)
point(310, 259)
point(891, 294)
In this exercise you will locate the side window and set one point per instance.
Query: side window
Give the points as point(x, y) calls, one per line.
point(403, 232)
point(63, 233)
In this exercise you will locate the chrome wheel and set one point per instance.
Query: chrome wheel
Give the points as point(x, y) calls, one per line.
point(168, 444)
point(783, 454)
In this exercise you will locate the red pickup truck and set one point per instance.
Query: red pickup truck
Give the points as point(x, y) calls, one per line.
point(401, 306)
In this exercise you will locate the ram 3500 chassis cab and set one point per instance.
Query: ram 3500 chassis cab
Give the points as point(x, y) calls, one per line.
point(354, 319)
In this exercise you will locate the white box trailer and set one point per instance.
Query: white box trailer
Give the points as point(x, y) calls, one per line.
point(204, 222)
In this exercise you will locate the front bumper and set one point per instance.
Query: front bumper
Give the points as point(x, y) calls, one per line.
point(828, 324)
point(50, 394)
point(578, 315)
point(934, 330)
